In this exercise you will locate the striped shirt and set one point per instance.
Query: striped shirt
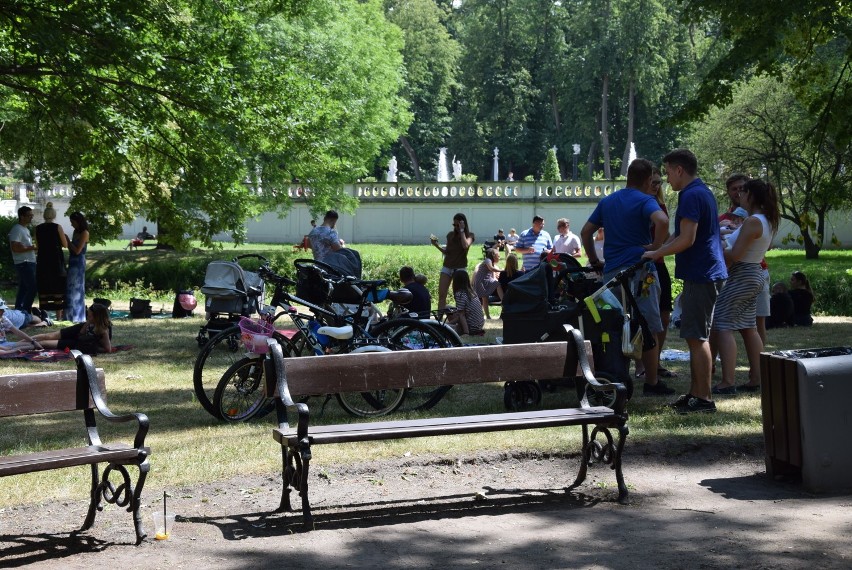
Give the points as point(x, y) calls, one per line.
point(538, 242)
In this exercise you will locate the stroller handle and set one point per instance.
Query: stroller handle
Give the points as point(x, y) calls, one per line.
point(249, 256)
point(620, 278)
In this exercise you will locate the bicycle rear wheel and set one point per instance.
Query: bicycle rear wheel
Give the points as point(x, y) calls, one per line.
point(240, 396)
point(414, 334)
point(375, 402)
point(215, 358)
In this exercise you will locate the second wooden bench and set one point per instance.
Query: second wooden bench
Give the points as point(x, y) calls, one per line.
point(289, 378)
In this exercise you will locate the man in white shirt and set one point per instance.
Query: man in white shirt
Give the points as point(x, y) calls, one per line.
point(567, 241)
point(24, 258)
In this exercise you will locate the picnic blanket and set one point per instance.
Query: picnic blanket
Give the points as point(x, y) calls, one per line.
point(114, 315)
point(53, 355)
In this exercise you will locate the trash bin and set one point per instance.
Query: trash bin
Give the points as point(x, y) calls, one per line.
point(805, 398)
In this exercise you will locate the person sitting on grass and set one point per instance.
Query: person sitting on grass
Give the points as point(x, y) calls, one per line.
point(8, 326)
point(467, 317)
point(90, 337)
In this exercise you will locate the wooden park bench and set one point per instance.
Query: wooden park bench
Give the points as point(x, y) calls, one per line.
point(289, 378)
point(81, 390)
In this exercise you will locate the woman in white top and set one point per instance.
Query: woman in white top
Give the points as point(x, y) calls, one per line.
point(735, 307)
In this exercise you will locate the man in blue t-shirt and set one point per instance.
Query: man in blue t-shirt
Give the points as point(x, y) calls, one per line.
point(627, 216)
point(533, 242)
point(699, 262)
point(324, 239)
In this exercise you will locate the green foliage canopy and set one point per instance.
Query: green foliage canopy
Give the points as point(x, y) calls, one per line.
point(766, 131)
point(197, 114)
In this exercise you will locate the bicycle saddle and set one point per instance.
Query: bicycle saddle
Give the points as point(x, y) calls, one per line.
point(400, 296)
point(340, 333)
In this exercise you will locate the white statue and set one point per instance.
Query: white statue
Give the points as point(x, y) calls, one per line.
point(391, 173)
point(495, 168)
point(457, 171)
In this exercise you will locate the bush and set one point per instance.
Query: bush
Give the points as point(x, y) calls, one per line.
point(551, 166)
point(7, 267)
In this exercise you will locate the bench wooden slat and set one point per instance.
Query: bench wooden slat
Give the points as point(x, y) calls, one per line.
point(47, 460)
point(334, 374)
point(45, 392)
point(373, 431)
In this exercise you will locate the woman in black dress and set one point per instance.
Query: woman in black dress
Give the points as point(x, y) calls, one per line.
point(803, 299)
point(50, 263)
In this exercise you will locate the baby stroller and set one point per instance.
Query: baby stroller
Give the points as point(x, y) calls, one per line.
point(560, 291)
point(230, 292)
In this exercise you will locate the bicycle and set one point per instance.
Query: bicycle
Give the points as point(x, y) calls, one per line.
point(238, 396)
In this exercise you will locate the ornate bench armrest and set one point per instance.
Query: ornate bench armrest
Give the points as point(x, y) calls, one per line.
point(577, 355)
point(276, 377)
point(87, 377)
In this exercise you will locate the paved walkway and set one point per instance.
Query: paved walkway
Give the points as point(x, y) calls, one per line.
point(506, 513)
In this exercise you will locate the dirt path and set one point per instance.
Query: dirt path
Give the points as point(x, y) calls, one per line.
point(705, 508)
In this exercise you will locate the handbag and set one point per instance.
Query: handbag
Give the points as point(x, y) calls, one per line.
point(631, 346)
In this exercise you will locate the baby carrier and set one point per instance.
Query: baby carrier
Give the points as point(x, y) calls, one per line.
point(230, 292)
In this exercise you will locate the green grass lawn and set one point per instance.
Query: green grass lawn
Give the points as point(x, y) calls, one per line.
point(189, 446)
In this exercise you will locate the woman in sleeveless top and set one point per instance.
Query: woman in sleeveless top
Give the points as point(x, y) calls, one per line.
point(455, 254)
point(50, 263)
point(736, 305)
point(76, 287)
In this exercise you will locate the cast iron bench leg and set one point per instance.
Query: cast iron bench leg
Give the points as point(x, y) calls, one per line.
point(609, 453)
point(585, 458)
point(137, 494)
point(616, 464)
point(287, 478)
point(305, 453)
point(123, 495)
point(94, 499)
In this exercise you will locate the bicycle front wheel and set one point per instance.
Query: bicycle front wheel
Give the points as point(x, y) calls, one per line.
point(218, 356)
point(375, 402)
point(240, 395)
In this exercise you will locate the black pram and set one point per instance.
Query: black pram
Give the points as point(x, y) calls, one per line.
point(537, 304)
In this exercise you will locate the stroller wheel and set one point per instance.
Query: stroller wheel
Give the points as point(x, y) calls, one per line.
point(602, 398)
point(519, 396)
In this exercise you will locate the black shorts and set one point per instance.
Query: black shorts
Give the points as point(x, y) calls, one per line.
point(68, 336)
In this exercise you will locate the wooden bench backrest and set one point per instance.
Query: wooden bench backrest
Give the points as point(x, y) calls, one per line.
point(45, 392)
point(435, 367)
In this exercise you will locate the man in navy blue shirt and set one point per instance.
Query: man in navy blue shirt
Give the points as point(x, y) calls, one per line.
point(627, 215)
point(700, 263)
point(421, 302)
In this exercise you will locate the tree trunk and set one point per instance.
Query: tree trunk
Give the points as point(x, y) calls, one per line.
point(412, 156)
point(631, 96)
point(811, 248)
point(162, 233)
point(605, 126)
